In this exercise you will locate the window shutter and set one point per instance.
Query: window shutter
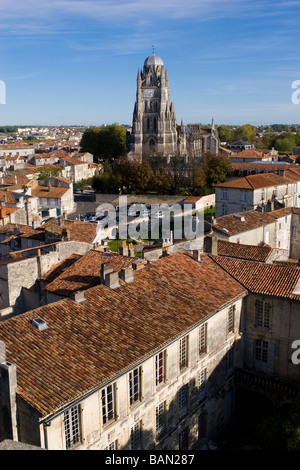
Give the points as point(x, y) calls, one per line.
point(271, 358)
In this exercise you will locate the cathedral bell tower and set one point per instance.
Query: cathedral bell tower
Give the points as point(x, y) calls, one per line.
point(154, 128)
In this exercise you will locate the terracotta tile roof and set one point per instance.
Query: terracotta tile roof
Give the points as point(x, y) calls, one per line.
point(261, 278)
point(233, 224)
point(248, 153)
point(89, 343)
point(8, 197)
point(43, 191)
point(73, 161)
point(59, 268)
point(281, 212)
point(84, 273)
point(256, 181)
point(249, 252)
point(192, 199)
point(79, 231)
point(15, 181)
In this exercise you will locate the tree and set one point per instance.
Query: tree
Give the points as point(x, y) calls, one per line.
point(105, 143)
point(245, 132)
point(216, 168)
point(45, 172)
point(225, 133)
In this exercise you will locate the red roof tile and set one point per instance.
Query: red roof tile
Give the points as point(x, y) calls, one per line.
point(260, 278)
point(90, 343)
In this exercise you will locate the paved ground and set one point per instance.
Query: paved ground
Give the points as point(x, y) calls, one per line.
point(85, 202)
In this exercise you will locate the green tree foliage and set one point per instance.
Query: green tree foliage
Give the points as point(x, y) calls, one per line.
point(284, 142)
point(245, 132)
point(105, 143)
point(281, 430)
point(225, 133)
point(136, 176)
point(45, 172)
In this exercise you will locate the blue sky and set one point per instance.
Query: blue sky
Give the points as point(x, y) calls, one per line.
point(75, 62)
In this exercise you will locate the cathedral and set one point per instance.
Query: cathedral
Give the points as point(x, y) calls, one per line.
point(155, 131)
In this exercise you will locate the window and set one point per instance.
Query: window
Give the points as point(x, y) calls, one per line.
point(224, 195)
point(203, 339)
point(294, 230)
point(160, 415)
point(244, 195)
point(72, 426)
point(202, 385)
point(183, 400)
point(183, 352)
point(108, 404)
point(224, 209)
point(183, 439)
point(230, 353)
point(261, 350)
point(135, 436)
point(202, 425)
point(262, 317)
point(230, 319)
point(112, 446)
point(160, 368)
point(135, 385)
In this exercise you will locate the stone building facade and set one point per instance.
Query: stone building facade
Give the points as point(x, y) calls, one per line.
point(155, 131)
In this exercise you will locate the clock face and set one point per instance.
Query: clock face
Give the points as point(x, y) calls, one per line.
point(150, 92)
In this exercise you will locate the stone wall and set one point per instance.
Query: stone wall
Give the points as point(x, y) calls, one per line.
point(24, 273)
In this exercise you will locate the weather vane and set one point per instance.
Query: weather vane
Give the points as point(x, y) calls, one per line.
point(153, 49)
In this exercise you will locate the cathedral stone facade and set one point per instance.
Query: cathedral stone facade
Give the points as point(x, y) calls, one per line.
point(155, 131)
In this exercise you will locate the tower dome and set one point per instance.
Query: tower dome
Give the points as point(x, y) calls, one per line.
point(153, 60)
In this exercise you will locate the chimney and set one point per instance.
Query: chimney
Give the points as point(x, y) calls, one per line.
point(78, 296)
point(66, 234)
point(112, 280)
point(8, 387)
point(127, 274)
point(197, 255)
point(131, 252)
point(214, 245)
point(139, 264)
point(106, 268)
point(123, 250)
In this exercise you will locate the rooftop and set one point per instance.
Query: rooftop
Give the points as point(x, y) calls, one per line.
point(256, 181)
point(87, 344)
point(232, 224)
point(261, 278)
point(83, 272)
point(241, 251)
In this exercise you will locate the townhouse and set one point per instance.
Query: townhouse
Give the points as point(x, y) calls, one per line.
point(55, 196)
point(144, 360)
point(279, 229)
point(268, 191)
point(272, 320)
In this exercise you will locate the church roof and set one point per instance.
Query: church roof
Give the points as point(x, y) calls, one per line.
point(153, 60)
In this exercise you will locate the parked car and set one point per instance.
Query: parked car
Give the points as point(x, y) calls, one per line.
point(159, 215)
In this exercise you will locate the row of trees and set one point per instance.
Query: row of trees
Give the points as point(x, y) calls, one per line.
point(137, 176)
point(283, 142)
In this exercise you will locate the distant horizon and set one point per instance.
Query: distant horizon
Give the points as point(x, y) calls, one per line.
point(129, 125)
